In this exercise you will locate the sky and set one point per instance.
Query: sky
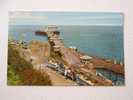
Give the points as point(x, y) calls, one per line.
point(65, 18)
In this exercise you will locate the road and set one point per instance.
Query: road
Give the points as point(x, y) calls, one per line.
point(57, 79)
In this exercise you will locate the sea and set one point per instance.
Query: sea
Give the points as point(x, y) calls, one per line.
point(100, 41)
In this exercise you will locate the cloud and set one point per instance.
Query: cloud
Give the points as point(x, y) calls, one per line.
point(15, 17)
point(44, 18)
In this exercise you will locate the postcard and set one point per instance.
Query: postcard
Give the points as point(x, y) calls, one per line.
point(65, 49)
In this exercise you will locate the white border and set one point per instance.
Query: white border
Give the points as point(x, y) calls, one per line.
point(67, 93)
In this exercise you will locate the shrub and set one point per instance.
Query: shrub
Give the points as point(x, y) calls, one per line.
point(21, 72)
point(12, 79)
point(34, 77)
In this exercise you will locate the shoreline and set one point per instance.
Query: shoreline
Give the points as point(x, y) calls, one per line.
point(99, 62)
point(92, 55)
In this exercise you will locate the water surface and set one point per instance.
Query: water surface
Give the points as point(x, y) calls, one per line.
point(102, 41)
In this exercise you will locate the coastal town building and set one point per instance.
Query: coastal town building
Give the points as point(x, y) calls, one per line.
point(85, 59)
point(52, 30)
point(73, 48)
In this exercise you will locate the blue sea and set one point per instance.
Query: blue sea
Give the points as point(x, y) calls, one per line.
point(100, 41)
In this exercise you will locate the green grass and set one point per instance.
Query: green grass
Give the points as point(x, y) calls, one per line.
point(21, 72)
point(13, 79)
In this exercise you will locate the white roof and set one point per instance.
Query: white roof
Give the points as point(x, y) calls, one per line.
point(72, 47)
point(56, 46)
point(51, 28)
point(86, 57)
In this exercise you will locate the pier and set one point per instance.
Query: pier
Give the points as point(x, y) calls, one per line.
point(74, 60)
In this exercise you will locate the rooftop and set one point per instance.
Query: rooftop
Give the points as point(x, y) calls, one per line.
point(86, 57)
point(51, 28)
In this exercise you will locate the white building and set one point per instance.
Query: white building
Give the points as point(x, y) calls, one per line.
point(85, 59)
point(73, 48)
point(52, 30)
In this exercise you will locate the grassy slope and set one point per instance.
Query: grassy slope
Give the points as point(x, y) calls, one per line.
point(21, 72)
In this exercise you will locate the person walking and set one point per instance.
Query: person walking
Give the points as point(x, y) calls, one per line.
point(65, 73)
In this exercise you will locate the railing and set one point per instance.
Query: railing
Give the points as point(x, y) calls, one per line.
point(61, 70)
